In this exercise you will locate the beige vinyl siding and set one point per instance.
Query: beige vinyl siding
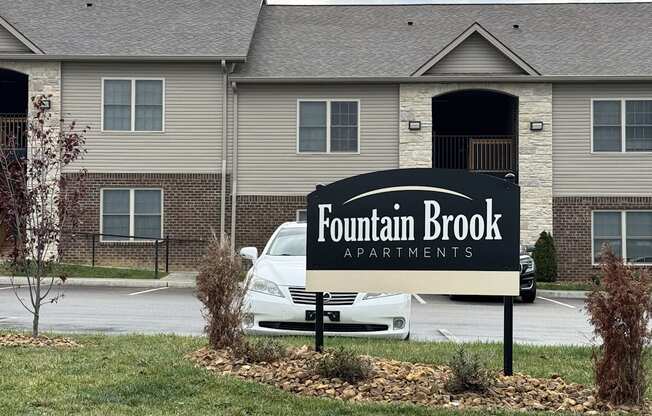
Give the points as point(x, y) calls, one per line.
point(10, 44)
point(268, 159)
point(475, 55)
point(577, 171)
point(192, 138)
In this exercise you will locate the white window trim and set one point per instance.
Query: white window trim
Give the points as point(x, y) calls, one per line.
point(328, 102)
point(623, 126)
point(623, 234)
point(133, 105)
point(131, 215)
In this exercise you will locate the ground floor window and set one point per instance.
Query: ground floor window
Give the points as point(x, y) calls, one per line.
point(629, 233)
point(302, 215)
point(131, 214)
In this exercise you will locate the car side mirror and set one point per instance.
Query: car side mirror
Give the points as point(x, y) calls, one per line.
point(250, 253)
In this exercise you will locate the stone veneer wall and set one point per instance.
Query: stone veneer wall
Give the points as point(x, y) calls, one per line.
point(572, 230)
point(44, 78)
point(258, 216)
point(535, 148)
point(191, 210)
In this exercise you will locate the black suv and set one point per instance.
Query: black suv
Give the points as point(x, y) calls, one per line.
point(528, 282)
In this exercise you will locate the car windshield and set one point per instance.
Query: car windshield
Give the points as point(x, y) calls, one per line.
point(289, 242)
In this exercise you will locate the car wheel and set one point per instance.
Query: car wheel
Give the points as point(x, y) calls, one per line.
point(530, 295)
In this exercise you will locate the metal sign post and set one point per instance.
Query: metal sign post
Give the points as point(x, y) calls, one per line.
point(508, 332)
point(319, 321)
point(508, 324)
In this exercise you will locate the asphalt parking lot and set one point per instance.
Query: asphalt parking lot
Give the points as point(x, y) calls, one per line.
point(166, 310)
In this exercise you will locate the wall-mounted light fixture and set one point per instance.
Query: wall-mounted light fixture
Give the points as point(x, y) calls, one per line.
point(536, 125)
point(414, 125)
point(46, 104)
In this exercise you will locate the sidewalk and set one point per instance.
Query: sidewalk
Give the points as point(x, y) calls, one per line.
point(180, 280)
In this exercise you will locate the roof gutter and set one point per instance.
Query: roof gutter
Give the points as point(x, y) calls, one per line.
point(447, 79)
point(148, 58)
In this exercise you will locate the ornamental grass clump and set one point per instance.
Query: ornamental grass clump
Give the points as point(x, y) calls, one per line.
point(343, 364)
point(468, 373)
point(222, 293)
point(619, 311)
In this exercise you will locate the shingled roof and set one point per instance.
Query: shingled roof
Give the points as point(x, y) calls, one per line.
point(135, 28)
point(378, 41)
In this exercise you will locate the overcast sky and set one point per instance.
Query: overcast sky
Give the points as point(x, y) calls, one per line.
point(443, 1)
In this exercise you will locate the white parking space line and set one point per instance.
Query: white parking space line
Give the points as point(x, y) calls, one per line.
point(557, 302)
point(9, 287)
point(419, 299)
point(7, 318)
point(447, 334)
point(147, 291)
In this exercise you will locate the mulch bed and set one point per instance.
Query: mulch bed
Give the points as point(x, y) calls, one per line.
point(19, 340)
point(402, 382)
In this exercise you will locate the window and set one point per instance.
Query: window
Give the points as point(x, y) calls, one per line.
point(131, 212)
point(622, 125)
point(133, 105)
point(302, 215)
point(629, 233)
point(328, 126)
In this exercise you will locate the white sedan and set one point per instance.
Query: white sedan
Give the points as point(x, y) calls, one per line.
point(278, 304)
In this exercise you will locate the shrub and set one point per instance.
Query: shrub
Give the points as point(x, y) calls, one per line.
point(468, 373)
point(262, 350)
point(220, 290)
point(343, 364)
point(619, 311)
point(545, 258)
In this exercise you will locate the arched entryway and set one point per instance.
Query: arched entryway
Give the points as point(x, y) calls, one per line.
point(475, 130)
point(14, 99)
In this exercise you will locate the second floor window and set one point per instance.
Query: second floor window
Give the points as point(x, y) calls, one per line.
point(622, 125)
point(133, 105)
point(328, 126)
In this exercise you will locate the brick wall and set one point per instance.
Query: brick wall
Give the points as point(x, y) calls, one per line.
point(191, 211)
point(258, 216)
point(572, 230)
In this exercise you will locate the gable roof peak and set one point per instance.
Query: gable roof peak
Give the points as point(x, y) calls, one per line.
point(476, 29)
point(19, 36)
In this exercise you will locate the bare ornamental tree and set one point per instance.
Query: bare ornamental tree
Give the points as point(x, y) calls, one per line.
point(39, 202)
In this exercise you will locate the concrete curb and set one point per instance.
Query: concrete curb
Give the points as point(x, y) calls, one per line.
point(100, 282)
point(566, 294)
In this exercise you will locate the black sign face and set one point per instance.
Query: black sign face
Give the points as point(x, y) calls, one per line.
point(411, 228)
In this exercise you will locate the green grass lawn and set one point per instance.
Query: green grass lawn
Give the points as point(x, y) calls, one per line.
point(148, 375)
point(74, 270)
point(564, 285)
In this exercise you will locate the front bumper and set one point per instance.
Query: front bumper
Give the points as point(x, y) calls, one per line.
point(273, 315)
point(527, 282)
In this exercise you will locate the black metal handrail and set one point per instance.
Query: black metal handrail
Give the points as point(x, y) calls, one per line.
point(477, 153)
point(13, 131)
point(134, 238)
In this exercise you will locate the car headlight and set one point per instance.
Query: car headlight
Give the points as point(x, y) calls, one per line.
point(378, 295)
point(260, 285)
point(528, 262)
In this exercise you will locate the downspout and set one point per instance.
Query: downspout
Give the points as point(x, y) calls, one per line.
point(225, 129)
point(234, 167)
